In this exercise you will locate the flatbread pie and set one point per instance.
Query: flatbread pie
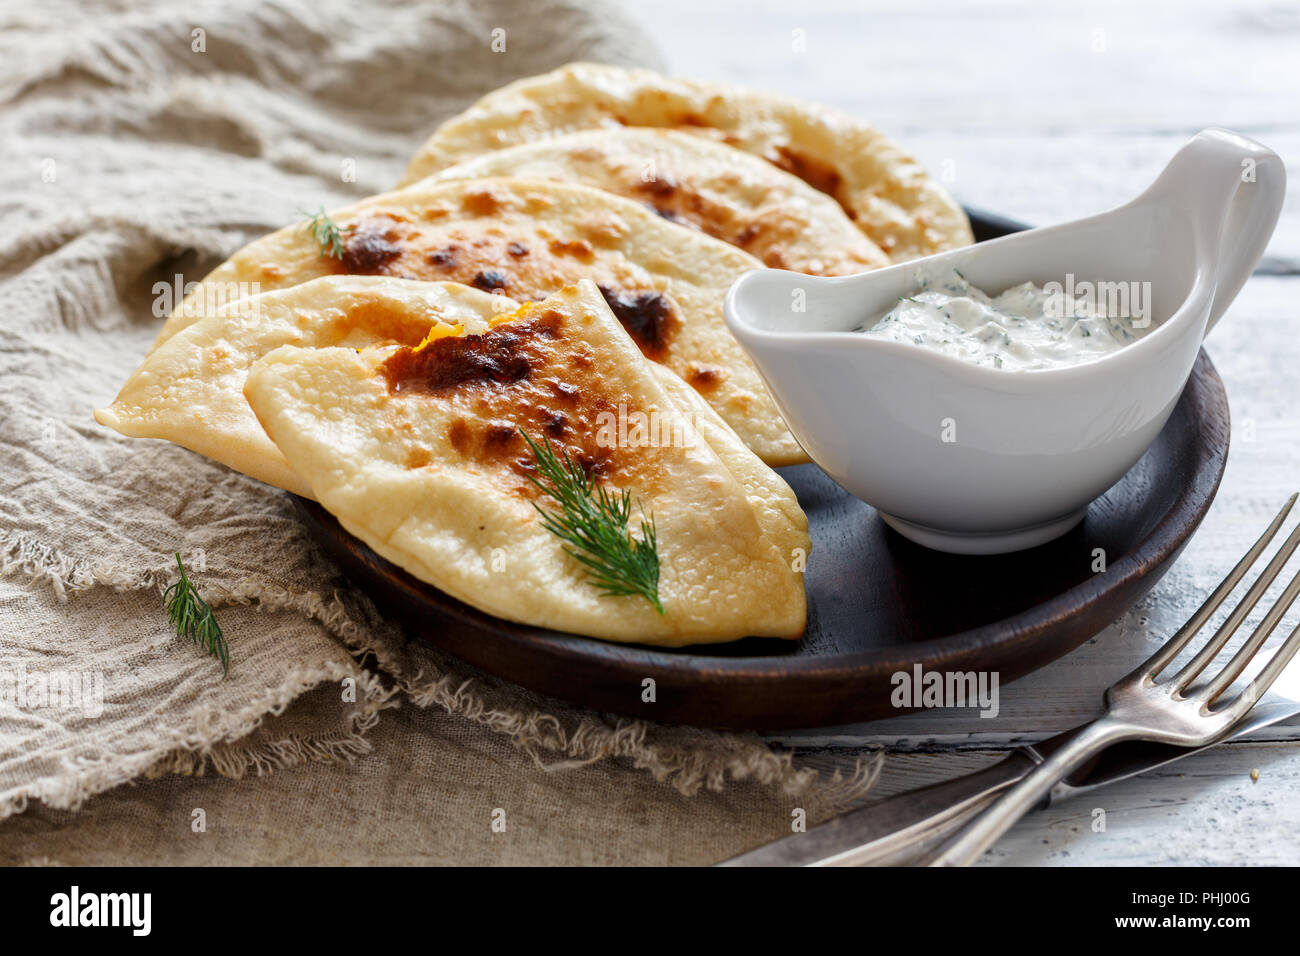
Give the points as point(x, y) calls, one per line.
point(191, 389)
point(421, 452)
point(881, 187)
point(725, 193)
point(526, 239)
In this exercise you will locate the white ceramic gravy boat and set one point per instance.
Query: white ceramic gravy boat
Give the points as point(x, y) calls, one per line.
point(1025, 451)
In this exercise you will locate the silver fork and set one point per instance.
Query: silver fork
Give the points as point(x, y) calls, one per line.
point(1173, 711)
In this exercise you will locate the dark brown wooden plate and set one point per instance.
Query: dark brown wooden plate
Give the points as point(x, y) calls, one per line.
point(877, 603)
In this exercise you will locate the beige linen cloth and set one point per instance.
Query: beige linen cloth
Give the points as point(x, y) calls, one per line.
point(144, 142)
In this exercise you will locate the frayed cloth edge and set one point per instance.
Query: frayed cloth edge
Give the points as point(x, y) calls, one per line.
point(223, 750)
point(687, 768)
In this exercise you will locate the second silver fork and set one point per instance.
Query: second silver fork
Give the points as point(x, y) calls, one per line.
point(1172, 711)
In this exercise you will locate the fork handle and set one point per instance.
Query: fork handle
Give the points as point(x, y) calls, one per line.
point(972, 840)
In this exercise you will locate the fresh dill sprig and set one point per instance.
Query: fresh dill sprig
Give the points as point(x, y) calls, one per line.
point(191, 617)
point(593, 522)
point(327, 233)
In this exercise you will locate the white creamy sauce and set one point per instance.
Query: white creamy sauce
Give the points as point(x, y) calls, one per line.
point(1026, 327)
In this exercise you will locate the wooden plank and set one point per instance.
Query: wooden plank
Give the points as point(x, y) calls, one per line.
point(1147, 819)
point(946, 64)
point(1204, 811)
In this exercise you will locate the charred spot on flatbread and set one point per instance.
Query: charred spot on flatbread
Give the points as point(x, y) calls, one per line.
point(527, 374)
point(498, 356)
point(649, 317)
point(370, 247)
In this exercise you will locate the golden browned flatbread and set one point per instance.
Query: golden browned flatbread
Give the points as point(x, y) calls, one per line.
point(726, 193)
point(191, 389)
point(882, 188)
point(420, 453)
point(527, 239)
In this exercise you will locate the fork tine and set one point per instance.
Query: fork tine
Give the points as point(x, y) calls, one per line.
point(1267, 674)
point(1247, 604)
point(1256, 640)
point(1170, 649)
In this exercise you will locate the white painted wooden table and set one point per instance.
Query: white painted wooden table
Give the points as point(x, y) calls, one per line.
point(1048, 113)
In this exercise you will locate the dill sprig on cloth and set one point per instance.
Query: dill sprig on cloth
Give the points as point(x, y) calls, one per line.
point(593, 522)
point(191, 617)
